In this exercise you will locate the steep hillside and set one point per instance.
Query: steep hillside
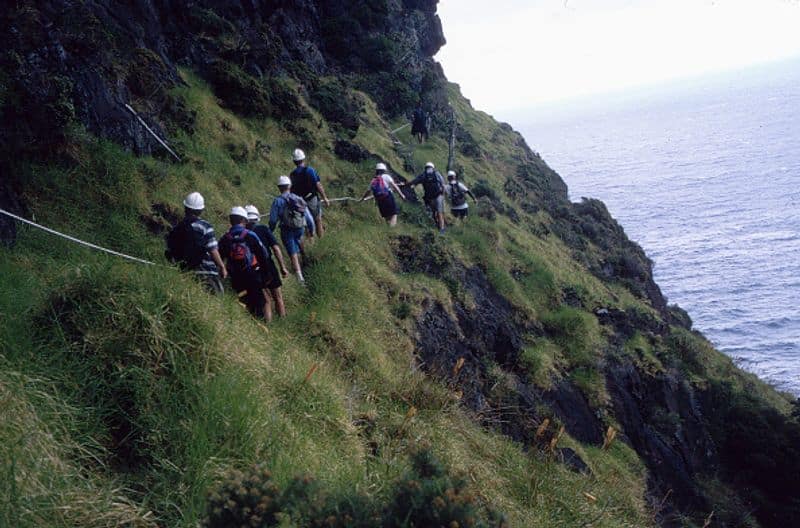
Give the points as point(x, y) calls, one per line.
point(521, 369)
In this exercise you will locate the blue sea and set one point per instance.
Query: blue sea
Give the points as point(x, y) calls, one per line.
point(705, 175)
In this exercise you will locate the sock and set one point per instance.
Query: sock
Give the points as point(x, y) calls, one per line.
point(300, 276)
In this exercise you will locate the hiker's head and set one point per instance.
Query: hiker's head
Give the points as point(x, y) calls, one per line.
point(451, 176)
point(194, 204)
point(299, 157)
point(253, 215)
point(380, 168)
point(429, 167)
point(238, 215)
point(284, 184)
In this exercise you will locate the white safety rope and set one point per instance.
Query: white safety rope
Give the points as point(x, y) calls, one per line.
point(76, 240)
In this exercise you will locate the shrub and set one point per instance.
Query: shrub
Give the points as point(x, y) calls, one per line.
point(427, 496)
point(284, 100)
point(576, 332)
point(203, 20)
point(337, 105)
point(239, 91)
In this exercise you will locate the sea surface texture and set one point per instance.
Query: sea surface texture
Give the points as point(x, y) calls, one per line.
point(707, 180)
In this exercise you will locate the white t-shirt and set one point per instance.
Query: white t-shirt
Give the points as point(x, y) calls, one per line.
point(448, 192)
point(388, 181)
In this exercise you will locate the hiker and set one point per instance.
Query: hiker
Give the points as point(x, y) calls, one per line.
point(193, 246)
point(245, 256)
point(291, 212)
point(457, 193)
point(419, 123)
point(433, 186)
point(270, 278)
point(306, 184)
point(381, 189)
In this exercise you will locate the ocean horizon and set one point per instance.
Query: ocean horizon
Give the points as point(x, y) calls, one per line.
point(702, 174)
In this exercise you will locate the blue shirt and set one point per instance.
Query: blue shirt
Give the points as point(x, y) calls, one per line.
point(276, 212)
point(304, 181)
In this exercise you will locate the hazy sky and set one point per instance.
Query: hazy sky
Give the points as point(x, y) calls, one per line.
point(509, 54)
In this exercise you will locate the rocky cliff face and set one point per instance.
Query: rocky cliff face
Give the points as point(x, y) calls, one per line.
point(72, 64)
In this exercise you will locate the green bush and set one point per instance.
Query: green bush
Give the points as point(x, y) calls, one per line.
point(576, 332)
point(284, 100)
point(427, 496)
point(239, 91)
point(337, 105)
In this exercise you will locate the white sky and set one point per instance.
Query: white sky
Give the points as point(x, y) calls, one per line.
point(511, 54)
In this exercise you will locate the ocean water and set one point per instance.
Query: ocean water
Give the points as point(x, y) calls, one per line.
point(706, 177)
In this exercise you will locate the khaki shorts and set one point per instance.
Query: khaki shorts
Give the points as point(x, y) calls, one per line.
point(314, 206)
point(436, 204)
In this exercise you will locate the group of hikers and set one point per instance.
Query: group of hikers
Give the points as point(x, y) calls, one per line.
point(245, 252)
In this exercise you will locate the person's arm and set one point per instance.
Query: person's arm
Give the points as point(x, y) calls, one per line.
point(469, 193)
point(274, 213)
point(398, 189)
point(312, 227)
point(366, 194)
point(415, 181)
point(322, 192)
point(223, 271)
point(279, 255)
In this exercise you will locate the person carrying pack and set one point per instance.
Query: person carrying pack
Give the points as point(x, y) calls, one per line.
point(270, 278)
point(457, 193)
point(245, 256)
point(291, 212)
point(381, 189)
point(433, 187)
point(193, 246)
point(307, 185)
point(419, 123)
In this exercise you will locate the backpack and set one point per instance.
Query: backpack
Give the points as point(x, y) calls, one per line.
point(241, 259)
point(302, 183)
point(457, 195)
point(432, 184)
point(294, 212)
point(185, 245)
point(379, 188)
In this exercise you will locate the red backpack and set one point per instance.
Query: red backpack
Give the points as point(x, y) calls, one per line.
point(379, 188)
point(241, 259)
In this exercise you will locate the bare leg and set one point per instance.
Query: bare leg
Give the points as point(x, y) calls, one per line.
point(320, 226)
point(392, 221)
point(267, 306)
point(280, 308)
point(440, 220)
point(296, 263)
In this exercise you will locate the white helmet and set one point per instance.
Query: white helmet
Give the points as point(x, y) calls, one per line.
point(195, 202)
point(284, 181)
point(451, 173)
point(238, 211)
point(252, 212)
point(430, 165)
point(298, 155)
point(380, 166)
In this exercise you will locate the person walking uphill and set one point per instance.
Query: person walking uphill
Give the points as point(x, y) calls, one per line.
point(193, 246)
point(292, 213)
point(381, 189)
point(270, 278)
point(433, 186)
point(245, 256)
point(457, 193)
point(307, 185)
point(419, 123)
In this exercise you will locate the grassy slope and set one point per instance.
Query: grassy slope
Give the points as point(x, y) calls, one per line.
point(213, 389)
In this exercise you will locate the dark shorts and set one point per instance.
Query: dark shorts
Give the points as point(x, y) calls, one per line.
point(292, 238)
point(254, 299)
point(387, 206)
point(460, 213)
point(435, 204)
point(314, 206)
point(271, 278)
